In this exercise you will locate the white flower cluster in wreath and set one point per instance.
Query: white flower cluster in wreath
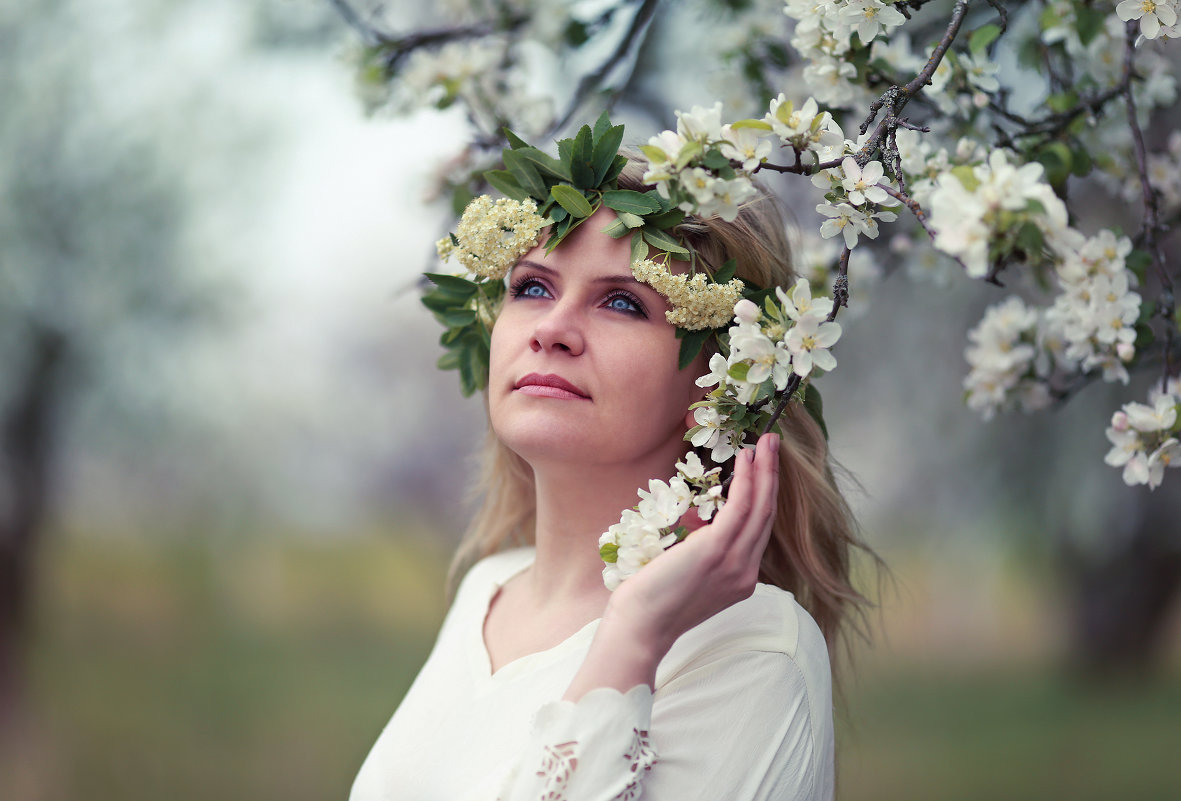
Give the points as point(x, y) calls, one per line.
point(823, 34)
point(767, 346)
point(974, 209)
point(645, 531)
point(1144, 436)
point(697, 303)
point(493, 235)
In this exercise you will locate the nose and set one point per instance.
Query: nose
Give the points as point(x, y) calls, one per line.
point(560, 329)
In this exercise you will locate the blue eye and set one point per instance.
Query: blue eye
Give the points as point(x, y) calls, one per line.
point(625, 303)
point(528, 287)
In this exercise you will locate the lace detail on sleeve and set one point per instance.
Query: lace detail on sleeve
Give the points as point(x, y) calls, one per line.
point(594, 750)
point(557, 766)
point(558, 763)
point(642, 757)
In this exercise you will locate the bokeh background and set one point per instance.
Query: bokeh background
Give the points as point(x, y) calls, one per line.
point(231, 476)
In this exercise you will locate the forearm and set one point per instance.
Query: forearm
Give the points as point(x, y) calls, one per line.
point(619, 658)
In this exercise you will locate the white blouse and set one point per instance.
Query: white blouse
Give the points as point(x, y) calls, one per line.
point(742, 710)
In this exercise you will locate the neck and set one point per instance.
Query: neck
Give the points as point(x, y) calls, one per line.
point(576, 504)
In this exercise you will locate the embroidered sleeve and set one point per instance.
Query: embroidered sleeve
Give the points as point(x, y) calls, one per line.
point(595, 750)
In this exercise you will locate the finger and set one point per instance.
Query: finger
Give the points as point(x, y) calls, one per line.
point(766, 480)
point(730, 520)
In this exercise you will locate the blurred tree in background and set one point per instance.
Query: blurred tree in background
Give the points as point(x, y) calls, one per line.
point(102, 291)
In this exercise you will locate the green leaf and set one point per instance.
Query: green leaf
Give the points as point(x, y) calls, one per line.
point(453, 285)
point(966, 177)
point(1138, 262)
point(689, 151)
point(617, 229)
point(602, 125)
point(609, 552)
point(582, 168)
point(612, 175)
point(655, 154)
point(663, 241)
point(739, 371)
point(1089, 22)
point(455, 318)
point(691, 344)
point(448, 361)
point(1030, 239)
point(571, 200)
point(629, 219)
point(440, 302)
point(546, 164)
point(504, 183)
point(514, 141)
point(726, 271)
point(525, 173)
point(668, 219)
point(1062, 101)
point(605, 150)
point(1057, 160)
point(982, 37)
point(1081, 162)
point(758, 125)
point(714, 160)
point(634, 202)
point(639, 247)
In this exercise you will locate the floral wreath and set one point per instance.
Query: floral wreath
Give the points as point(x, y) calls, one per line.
point(769, 343)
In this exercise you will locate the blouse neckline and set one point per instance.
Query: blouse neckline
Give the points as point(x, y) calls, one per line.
point(481, 662)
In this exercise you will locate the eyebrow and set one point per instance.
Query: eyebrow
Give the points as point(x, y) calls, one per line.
point(622, 278)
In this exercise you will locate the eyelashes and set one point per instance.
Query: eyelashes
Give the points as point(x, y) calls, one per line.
point(617, 300)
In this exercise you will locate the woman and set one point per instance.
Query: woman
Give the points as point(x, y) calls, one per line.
point(689, 681)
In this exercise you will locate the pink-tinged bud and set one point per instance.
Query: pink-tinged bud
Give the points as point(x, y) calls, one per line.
point(979, 100)
point(1126, 351)
point(1119, 421)
point(746, 311)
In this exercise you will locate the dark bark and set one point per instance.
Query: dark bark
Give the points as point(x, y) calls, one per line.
point(1122, 601)
point(27, 434)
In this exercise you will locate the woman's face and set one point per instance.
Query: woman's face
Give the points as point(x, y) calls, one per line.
point(584, 364)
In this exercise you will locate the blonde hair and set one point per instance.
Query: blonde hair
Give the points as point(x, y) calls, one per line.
point(814, 535)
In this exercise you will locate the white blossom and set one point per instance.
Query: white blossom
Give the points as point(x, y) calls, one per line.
point(1151, 13)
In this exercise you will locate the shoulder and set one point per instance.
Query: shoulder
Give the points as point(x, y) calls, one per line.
point(495, 569)
point(769, 621)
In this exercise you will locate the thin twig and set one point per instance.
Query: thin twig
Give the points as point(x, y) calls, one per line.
point(1150, 227)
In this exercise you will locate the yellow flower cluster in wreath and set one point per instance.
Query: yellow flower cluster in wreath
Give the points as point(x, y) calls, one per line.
point(493, 235)
point(697, 303)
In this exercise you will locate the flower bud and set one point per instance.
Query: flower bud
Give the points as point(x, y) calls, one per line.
point(1126, 351)
point(746, 311)
point(1119, 421)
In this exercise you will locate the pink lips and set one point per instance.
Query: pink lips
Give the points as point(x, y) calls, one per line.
point(549, 386)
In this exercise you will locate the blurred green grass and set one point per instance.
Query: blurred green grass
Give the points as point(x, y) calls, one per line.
point(265, 669)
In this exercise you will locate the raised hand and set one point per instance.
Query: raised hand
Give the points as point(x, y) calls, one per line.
point(714, 568)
